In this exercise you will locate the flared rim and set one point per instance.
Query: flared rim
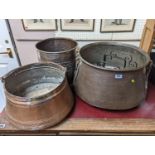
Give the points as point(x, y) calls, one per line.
point(57, 38)
point(40, 98)
point(148, 60)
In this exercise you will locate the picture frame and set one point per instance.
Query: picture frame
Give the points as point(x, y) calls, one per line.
point(117, 25)
point(39, 24)
point(77, 24)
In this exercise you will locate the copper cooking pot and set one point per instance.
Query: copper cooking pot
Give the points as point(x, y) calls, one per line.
point(112, 75)
point(38, 96)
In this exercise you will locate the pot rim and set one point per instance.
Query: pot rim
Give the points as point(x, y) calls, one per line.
point(148, 60)
point(57, 38)
point(36, 100)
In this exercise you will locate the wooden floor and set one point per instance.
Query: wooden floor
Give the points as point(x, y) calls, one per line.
point(89, 126)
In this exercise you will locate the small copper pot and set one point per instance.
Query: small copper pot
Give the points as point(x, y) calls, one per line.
point(38, 96)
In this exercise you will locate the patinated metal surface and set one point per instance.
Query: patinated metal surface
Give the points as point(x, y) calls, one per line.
point(59, 50)
point(112, 75)
point(38, 96)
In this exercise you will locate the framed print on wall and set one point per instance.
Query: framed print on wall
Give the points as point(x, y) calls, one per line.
point(39, 24)
point(77, 24)
point(117, 25)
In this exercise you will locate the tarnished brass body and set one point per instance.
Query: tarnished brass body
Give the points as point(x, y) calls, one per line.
point(112, 75)
point(59, 50)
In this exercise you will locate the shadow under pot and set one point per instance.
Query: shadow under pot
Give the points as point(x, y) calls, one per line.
point(59, 50)
point(112, 75)
point(38, 96)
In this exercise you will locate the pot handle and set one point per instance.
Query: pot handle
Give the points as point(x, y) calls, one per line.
point(147, 72)
point(77, 71)
point(1, 78)
point(77, 50)
point(7, 74)
point(148, 68)
point(78, 63)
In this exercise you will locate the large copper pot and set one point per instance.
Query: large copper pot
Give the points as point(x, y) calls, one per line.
point(112, 75)
point(38, 95)
point(59, 50)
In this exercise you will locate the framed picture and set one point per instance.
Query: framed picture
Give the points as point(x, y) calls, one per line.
point(117, 25)
point(39, 24)
point(77, 24)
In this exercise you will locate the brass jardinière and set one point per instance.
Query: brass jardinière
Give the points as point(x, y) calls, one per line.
point(112, 75)
point(59, 50)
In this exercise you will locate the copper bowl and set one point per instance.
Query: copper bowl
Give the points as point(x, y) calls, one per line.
point(38, 96)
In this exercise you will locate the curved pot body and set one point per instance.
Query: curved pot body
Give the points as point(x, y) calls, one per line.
point(59, 50)
point(109, 88)
point(33, 102)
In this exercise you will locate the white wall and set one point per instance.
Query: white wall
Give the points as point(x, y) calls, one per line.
point(26, 40)
point(87, 37)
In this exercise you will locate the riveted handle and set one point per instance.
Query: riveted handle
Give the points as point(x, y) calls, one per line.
point(148, 68)
point(78, 63)
point(7, 74)
point(77, 70)
point(147, 72)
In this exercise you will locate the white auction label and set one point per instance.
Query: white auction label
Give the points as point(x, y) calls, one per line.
point(118, 76)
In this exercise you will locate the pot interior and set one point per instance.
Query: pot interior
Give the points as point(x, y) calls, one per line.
point(113, 56)
point(56, 45)
point(33, 82)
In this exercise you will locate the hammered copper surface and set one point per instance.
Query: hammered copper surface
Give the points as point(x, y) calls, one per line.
point(59, 50)
point(38, 96)
point(112, 75)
